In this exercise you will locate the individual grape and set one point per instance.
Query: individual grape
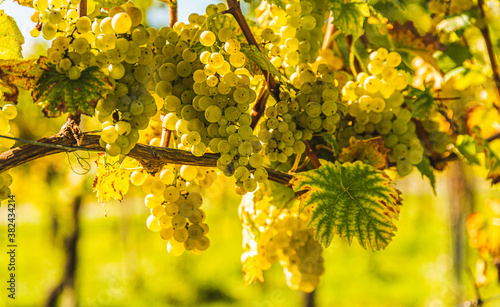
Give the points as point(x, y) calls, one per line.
point(135, 16)
point(393, 59)
point(207, 38)
point(121, 23)
point(404, 168)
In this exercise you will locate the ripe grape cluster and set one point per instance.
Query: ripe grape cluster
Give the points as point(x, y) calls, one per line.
point(201, 77)
point(376, 107)
point(116, 42)
point(284, 238)
point(293, 35)
point(174, 199)
point(293, 120)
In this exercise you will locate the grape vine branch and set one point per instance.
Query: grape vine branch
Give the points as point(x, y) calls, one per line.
point(151, 157)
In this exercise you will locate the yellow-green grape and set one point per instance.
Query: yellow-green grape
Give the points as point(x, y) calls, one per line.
point(9, 111)
point(74, 73)
point(49, 30)
point(41, 5)
point(121, 23)
point(207, 38)
point(175, 248)
point(393, 59)
point(137, 177)
point(153, 224)
point(115, 10)
point(109, 134)
point(84, 24)
point(135, 16)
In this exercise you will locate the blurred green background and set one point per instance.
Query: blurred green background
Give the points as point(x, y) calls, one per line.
point(121, 263)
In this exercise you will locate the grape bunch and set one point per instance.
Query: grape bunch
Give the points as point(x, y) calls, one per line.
point(293, 36)
point(116, 42)
point(376, 107)
point(174, 199)
point(207, 92)
point(293, 120)
point(282, 237)
point(8, 111)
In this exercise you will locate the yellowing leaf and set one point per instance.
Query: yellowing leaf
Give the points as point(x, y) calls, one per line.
point(56, 93)
point(350, 16)
point(406, 38)
point(11, 38)
point(16, 74)
point(350, 200)
point(371, 151)
point(112, 178)
point(252, 271)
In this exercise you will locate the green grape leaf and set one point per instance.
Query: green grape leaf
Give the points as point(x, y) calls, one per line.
point(349, 16)
point(453, 57)
point(112, 180)
point(110, 3)
point(256, 56)
point(11, 38)
point(466, 146)
point(349, 200)
point(371, 151)
point(15, 74)
point(423, 103)
point(424, 167)
point(56, 93)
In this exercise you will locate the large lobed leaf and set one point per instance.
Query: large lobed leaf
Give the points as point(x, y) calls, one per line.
point(350, 200)
point(55, 93)
point(350, 16)
point(11, 38)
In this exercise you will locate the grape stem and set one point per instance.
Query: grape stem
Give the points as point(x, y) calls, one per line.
point(258, 109)
point(489, 46)
point(172, 12)
point(312, 155)
point(353, 60)
point(151, 157)
point(259, 106)
point(82, 8)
